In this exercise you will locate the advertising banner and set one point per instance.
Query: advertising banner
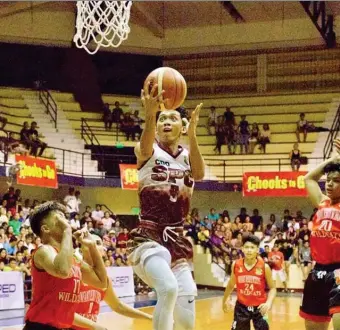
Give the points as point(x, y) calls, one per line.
point(129, 176)
point(11, 291)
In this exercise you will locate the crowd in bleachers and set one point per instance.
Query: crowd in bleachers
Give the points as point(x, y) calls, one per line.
point(221, 236)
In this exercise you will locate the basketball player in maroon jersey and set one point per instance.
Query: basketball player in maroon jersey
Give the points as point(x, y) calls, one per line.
point(56, 275)
point(250, 275)
point(321, 296)
point(90, 297)
point(166, 178)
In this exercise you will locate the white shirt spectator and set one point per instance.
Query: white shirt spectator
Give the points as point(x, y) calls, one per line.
point(75, 224)
point(26, 211)
point(97, 215)
point(296, 225)
point(108, 222)
point(71, 204)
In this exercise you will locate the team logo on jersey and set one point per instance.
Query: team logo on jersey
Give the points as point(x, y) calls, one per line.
point(162, 162)
point(186, 161)
point(240, 270)
point(258, 271)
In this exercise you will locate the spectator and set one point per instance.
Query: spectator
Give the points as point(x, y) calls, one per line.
point(25, 136)
point(287, 252)
point(233, 138)
point(212, 120)
point(3, 216)
point(254, 137)
point(127, 126)
point(305, 259)
point(3, 120)
point(203, 237)
point(15, 224)
point(107, 116)
point(117, 113)
point(108, 221)
point(295, 158)
point(35, 140)
point(11, 245)
point(12, 266)
point(75, 222)
point(11, 200)
point(213, 216)
point(220, 133)
point(97, 214)
point(256, 219)
point(4, 256)
point(16, 146)
point(71, 202)
point(264, 137)
point(244, 134)
point(243, 214)
point(229, 118)
point(137, 122)
point(302, 127)
point(123, 238)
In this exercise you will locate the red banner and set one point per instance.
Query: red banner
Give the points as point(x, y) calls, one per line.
point(128, 176)
point(37, 172)
point(274, 184)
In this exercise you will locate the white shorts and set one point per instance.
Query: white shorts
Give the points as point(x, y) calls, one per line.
point(280, 273)
point(182, 271)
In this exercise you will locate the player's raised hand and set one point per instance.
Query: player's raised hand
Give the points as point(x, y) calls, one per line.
point(264, 308)
point(151, 100)
point(84, 237)
point(195, 116)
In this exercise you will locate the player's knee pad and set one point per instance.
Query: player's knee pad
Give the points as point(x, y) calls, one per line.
point(185, 313)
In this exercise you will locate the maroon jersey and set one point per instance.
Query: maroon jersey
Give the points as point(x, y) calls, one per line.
point(165, 190)
point(325, 236)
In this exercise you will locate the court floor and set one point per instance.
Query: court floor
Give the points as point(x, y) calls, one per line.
point(284, 316)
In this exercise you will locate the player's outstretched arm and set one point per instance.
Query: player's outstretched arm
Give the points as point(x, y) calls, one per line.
point(229, 289)
point(264, 308)
point(94, 275)
point(119, 307)
point(196, 159)
point(58, 264)
point(312, 178)
point(151, 103)
point(82, 322)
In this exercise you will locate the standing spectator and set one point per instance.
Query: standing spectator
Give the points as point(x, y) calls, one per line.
point(220, 133)
point(244, 134)
point(256, 219)
point(287, 252)
point(295, 158)
point(232, 136)
point(212, 120)
point(264, 138)
point(70, 202)
point(117, 113)
point(97, 214)
point(78, 200)
point(11, 200)
point(301, 127)
point(229, 118)
point(107, 116)
point(35, 140)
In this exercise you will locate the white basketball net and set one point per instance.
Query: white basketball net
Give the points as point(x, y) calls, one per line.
point(104, 22)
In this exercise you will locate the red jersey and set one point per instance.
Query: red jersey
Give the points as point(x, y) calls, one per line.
point(250, 284)
point(277, 258)
point(54, 300)
point(89, 302)
point(325, 236)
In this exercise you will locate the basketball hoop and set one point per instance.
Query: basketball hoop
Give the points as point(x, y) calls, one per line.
point(104, 22)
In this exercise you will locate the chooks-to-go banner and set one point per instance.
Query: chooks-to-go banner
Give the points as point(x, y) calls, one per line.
point(37, 172)
point(274, 184)
point(128, 176)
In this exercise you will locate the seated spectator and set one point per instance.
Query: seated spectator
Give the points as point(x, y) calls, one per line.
point(36, 143)
point(137, 128)
point(11, 200)
point(237, 225)
point(302, 127)
point(127, 125)
point(3, 120)
point(3, 216)
point(213, 216)
point(108, 221)
point(212, 120)
point(11, 245)
point(295, 158)
point(264, 137)
point(75, 222)
point(4, 256)
point(117, 228)
point(12, 266)
point(243, 214)
point(254, 137)
point(256, 219)
point(117, 113)
point(97, 214)
point(305, 258)
point(248, 226)
point(15, 224)
point(123, 238)
point(107, 116)
point(203, 237)
point(15, 146)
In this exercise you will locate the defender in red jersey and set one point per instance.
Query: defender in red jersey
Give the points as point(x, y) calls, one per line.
point(251, 275)
point(56, 275)
point(321, 295)
point(90, 297)
point(160, 253)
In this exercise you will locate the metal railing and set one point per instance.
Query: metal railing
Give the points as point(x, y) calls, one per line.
point(328, 148)
point(87, 134)
point(46, 98)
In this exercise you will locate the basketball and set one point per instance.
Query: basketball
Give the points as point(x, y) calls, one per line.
point(172, 82)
